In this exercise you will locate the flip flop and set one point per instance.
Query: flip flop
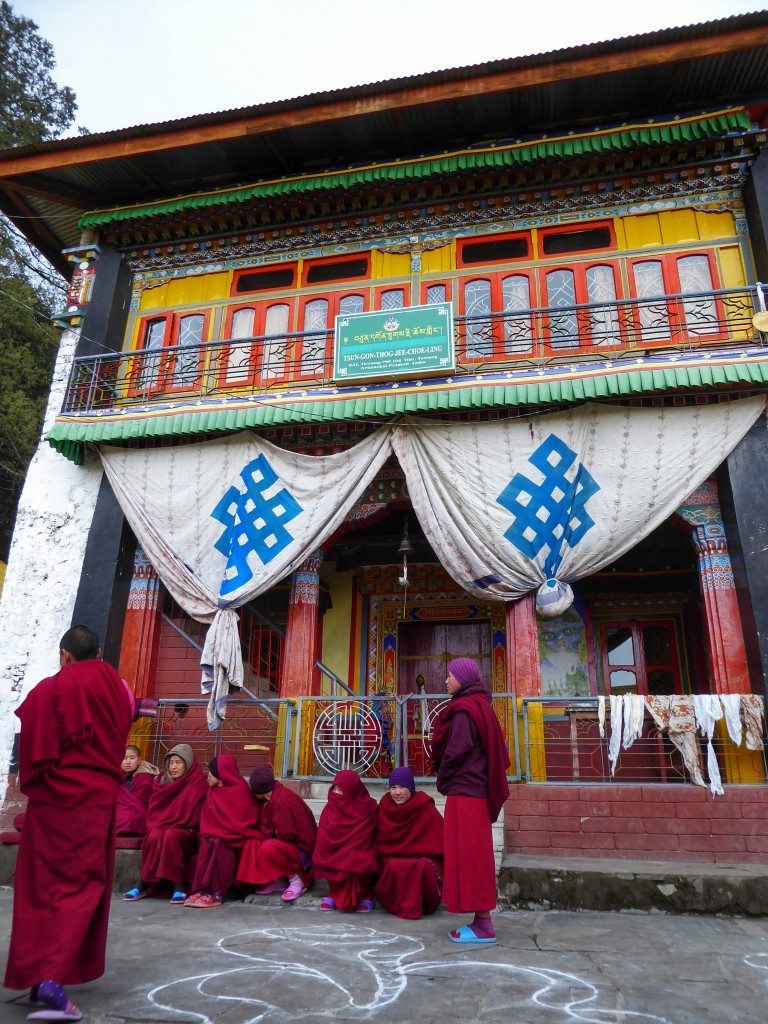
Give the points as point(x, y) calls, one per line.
point(178, 899)
point(467, 936)
point(71, 1013)
point(135, 894)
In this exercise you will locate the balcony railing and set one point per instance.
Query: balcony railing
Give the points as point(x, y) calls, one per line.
point(484, 342)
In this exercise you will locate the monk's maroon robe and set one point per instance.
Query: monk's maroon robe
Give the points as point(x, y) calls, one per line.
point(410, 845)
point(74, 726)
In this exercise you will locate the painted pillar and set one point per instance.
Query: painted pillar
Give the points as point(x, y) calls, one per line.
point(722, 621)
point(523, 669)
point(299, 676)
point(141, 632)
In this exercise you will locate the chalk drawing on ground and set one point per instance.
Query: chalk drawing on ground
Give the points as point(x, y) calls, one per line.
point(264, 975)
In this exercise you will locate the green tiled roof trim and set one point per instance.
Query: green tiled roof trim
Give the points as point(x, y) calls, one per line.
point(623, 137)
point(560, 384)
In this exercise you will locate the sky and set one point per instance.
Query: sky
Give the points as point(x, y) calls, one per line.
point(141, 61)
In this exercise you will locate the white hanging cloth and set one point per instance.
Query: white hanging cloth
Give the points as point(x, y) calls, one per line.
point(634, 711)
point(601, 716)
point(511, 506)
point(222, 521)
point(708, 710)
point(731, 705)
point(614, 744)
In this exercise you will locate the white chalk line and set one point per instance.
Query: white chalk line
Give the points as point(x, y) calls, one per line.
point(388, 971)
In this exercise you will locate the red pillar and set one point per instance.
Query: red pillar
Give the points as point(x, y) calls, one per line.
point(722, 622)
point(299, 678)
point(523, 669)
point(141, 632)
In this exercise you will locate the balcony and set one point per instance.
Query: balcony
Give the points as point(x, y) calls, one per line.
point(484, 343)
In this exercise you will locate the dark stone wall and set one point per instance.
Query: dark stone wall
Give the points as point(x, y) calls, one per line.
point(743, 485)
point(105, 579)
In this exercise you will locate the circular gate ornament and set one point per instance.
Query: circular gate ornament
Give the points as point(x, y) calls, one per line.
point(347, 737)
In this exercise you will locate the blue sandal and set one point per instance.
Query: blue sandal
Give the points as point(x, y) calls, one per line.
point(365, 906)
point(466, 935)
point(179, 898)
point(135, 894)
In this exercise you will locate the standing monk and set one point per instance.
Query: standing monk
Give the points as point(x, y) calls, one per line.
point(470, 755)
point(73, 731)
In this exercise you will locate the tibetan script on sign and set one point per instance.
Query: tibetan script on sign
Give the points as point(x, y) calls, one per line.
point(415, 341)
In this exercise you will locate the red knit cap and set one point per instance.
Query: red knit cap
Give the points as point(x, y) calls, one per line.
point(464, 670)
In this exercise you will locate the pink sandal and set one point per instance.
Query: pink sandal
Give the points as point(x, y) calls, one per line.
point(296, 888)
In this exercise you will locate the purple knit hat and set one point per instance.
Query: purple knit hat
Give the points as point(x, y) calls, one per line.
point(402, 777)
point(262, 779)
point(464, 670)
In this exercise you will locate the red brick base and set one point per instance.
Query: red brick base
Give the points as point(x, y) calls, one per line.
point(678, 822)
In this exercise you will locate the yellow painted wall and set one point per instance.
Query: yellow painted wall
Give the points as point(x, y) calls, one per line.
point(676, 227)
point(436, 261)
point(336, 621)
point(389, 264)
point(187, 291)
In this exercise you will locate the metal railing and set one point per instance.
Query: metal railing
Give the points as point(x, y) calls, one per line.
point(262, 644)
point(484, 342)
point(372, 735)
point(550, 740)
point(561, 742)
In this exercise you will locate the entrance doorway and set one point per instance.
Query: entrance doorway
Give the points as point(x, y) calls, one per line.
point(425, 648)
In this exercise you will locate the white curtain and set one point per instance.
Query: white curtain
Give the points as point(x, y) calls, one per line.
point(222, 521)
point(528, 504)
point(508, 506)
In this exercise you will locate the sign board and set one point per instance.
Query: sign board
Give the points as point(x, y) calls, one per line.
point(415, 341)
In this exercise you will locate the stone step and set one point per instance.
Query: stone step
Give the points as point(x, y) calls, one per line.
point(576, 883)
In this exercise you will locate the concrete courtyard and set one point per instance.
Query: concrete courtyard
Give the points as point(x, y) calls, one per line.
point(267, 962)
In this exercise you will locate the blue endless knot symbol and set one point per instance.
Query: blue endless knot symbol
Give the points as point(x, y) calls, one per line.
point(254, 518)
point(552, 513)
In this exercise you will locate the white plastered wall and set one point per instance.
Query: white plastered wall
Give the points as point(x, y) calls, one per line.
point(44, 565)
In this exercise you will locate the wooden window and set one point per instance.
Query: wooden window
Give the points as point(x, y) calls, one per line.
point(494, 249)
point(390, 298)
point(662, 319)
point(314, 348)
point(640, 657)
point(592, 286)
point(432, 293)
point(347, 268)
point(264, 279)
point(158, 371)
point(573, 240)
point(498, 308)
point(245, 360)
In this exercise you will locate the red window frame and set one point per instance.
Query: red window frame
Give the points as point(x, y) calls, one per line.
point(640, 666)
point(569, 229)
point(506, 260)
point(585, 331)
point(676, 316)
point(333, 299)
point(255, 357)
point(346, 258)
point(379, 290)
point(166, 361)
point(426, 285)
point(263, 270)
point(499, 340)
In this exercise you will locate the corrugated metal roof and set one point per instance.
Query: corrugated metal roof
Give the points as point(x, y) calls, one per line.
point(472, 71)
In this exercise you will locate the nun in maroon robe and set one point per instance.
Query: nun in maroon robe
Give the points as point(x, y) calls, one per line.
point(345, 852)
point(470, 755)
point(133, 796)
point(73, 731)
point(230, 818)
point(409, 836)
point(281, 862)
point(173, 822)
